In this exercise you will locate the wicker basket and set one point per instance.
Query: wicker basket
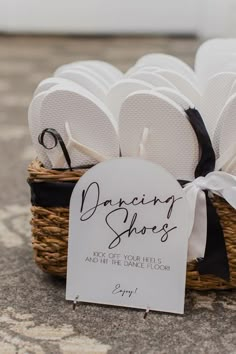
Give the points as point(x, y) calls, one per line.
point(50, 234)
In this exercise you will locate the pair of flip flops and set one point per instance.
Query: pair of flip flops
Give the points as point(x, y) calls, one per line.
point(76, 92)
point(211, 88)
point(151, 123)
point(93, 112)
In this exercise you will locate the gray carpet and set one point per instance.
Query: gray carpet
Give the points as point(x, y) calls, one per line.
point(34, 316)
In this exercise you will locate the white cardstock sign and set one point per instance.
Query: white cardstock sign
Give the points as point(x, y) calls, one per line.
point(128, 238)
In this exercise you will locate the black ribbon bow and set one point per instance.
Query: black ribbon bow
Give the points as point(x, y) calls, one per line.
point(215, 260)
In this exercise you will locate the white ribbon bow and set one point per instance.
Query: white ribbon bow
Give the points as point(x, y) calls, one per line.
point(219, 183)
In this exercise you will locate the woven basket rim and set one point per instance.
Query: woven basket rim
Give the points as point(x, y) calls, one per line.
point(37, 172)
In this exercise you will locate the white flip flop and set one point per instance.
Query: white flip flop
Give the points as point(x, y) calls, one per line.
point(154, 79)
point(34, 122)
point(35, 127)
point(227, 137)
point(184, 85)
point(155, 128)
point(215, 56)
point(176, 96)
point(85, 125)
point(136, 69)
point(106, 70)
point(214, 98)
point(169, 62)
point(87, 81)
point(82, 67)
point(46, 84)
point(120, 90)
point(233, 89)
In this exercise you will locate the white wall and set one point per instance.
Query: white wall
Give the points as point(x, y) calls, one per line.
point(217, 18)
point(99, 16)
point(204, 17)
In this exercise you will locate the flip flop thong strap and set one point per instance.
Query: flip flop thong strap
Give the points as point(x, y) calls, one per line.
point(66, 148)
point(57, 140)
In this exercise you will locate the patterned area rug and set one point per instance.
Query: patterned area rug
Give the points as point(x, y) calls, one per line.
point(34, 316)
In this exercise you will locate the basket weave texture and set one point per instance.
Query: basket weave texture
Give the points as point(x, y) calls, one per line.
point(50, 234)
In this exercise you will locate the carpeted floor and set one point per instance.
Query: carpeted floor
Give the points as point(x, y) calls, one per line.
point(34, 316)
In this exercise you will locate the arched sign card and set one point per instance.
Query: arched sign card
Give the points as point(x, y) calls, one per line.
point(128, 238)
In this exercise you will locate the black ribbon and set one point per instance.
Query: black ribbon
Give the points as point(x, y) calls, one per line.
point(57, 140)
point(207, 160)
point(215, 260)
